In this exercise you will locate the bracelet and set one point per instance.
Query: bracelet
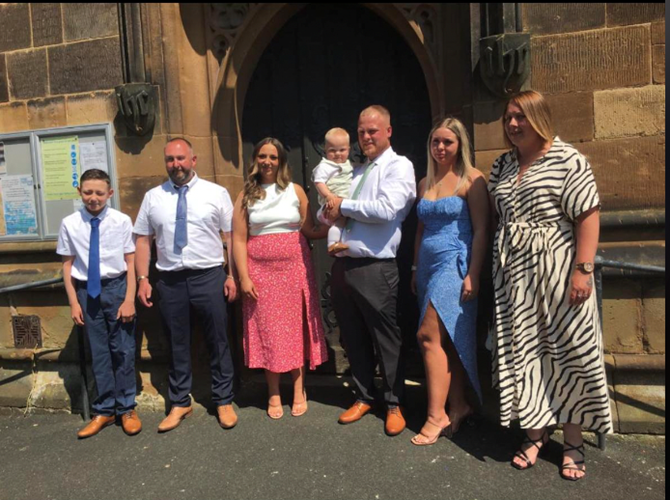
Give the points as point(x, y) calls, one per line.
point(140, 278)
point(229, 277)
point(413, 268)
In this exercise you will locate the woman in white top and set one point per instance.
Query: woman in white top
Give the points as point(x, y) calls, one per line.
point(282, 321)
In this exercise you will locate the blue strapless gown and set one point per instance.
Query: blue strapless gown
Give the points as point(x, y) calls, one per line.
point(444, 256)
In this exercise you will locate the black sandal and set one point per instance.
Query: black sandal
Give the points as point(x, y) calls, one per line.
point(522, 455)
point(574, 465)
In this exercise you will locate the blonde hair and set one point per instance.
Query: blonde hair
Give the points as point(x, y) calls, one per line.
point(463, 166)
point(252, 186)
point(537, 111)
point(379, 109)
point(336, 132)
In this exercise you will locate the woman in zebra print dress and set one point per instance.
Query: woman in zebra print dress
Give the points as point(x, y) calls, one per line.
point(548, 357)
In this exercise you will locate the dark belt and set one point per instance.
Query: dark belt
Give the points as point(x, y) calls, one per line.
point(103, 282)
point(189, 272)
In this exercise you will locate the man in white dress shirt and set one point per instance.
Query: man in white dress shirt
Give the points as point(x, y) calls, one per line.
point(187, 215)
point(365, 277)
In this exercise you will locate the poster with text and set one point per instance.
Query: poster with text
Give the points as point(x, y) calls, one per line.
point(61, 166)
point(18, 202)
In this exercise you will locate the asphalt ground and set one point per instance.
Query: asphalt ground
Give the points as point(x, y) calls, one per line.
point(310, 457)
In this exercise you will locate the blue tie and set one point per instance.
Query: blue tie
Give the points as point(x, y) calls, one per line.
point(94, 286)
point(180, 234)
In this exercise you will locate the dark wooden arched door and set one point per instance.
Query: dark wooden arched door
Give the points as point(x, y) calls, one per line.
point(321, 69)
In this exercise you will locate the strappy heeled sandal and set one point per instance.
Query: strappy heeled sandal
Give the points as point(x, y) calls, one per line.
point(275, 412)
point(444, 431)
point(575, 463)
point(543, 440)
point(300, 409)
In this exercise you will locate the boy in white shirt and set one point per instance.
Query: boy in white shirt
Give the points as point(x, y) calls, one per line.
point(99, 275)
point(332, 179)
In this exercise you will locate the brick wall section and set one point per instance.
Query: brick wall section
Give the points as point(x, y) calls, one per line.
point(52, 55)
point(602, 69)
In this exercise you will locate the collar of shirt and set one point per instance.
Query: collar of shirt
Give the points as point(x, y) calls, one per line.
point(87, 216)
point(382, 159)
point(190, 184)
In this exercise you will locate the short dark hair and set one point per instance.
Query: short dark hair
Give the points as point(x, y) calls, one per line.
point(95, 174)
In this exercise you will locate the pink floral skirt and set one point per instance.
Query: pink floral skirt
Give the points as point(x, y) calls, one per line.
point(282, 329)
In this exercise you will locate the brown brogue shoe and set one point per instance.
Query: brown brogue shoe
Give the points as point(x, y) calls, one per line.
point(174, 418)
point(354, 413)
point(131, 423)
point(227, 416)
point(97, 423)
point(395, 422)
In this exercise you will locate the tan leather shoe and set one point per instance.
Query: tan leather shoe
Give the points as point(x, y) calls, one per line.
point(227, 416)
point(131, 423)
point(395, 422)
point(97, 423)
point(354, 413)
point(174, 418)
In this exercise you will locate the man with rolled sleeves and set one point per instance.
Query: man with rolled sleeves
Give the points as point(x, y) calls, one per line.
point(364, 281)
point(186, 215)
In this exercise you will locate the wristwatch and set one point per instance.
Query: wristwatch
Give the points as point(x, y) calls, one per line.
point(140, 278)
point(585, 267)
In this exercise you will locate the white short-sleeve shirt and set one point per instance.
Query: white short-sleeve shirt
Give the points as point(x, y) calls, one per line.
point(116, 240)
point(209, 211)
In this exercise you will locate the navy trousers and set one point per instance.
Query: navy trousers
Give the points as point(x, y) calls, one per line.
point(112, 347)
point(201, 290)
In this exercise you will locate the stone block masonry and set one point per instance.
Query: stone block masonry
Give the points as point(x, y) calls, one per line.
point(47, 23)
point(630, 112)
point(545, 19)
point(14, 26)
point(27, 74)
point(591, 60)
point(85, 66)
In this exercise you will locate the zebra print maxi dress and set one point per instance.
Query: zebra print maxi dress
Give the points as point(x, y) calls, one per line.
point(547, 355)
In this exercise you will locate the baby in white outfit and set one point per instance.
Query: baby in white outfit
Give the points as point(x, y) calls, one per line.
point(332, 179)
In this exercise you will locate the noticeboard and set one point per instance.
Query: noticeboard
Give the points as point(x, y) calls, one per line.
point(39, 176)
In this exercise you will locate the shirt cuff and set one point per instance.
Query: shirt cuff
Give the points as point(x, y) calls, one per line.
point(347, 207)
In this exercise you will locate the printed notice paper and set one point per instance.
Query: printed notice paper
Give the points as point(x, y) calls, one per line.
point(19, 204)
point(93, 155)
point(60, 161)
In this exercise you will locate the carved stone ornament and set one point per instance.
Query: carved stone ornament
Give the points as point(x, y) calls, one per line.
point(225, 21)
point(505, 62)
point(137, 105)
point(425, 15)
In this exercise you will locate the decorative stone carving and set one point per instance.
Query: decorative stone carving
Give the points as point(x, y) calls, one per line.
point(425, 16)
point(137, 105)
point(505, 62)
point(225, 21)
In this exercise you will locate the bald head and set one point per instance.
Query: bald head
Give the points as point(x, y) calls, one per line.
point(180, 140)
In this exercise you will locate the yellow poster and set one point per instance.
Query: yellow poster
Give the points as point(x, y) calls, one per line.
point(61, 166)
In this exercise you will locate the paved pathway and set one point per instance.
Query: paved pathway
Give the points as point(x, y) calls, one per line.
point(311, 457)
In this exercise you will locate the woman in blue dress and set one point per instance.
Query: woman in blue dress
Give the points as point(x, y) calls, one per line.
point(449, 251)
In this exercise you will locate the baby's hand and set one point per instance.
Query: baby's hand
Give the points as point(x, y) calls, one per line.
point(330, 202)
